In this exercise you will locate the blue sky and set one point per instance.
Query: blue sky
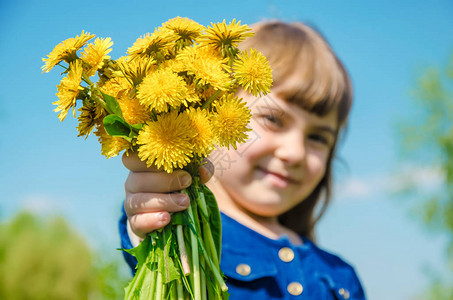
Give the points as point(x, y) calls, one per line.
point(384, 44)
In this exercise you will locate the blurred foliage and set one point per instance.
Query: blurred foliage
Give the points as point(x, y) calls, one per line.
point(46, 259)
point(427, 142)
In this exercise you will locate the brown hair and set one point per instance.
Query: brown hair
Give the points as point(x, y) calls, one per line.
point(310, 75)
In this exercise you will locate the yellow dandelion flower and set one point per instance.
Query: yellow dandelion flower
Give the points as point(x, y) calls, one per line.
point(68, 89)
point(66, 50)
point(177, 66)
point(230, 121)
point(205, 138)
point(115, 87)
point(96, 53)
point(253, 72)
point(133, 111)
point(110, 145)
point(192, 95)
point(166, 142)
point(89, 116)
point(187, 30)
point(221, 36)
point(207, 66)
point(161, 89)
point(135, 69)
point(155, 45)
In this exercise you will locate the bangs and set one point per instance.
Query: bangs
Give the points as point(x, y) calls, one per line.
point(305, 70)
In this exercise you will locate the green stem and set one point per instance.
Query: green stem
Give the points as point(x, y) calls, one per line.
point(152, 288)
point(166, 258)
point(97, 95)
point(137, 279)
point(154, 236)
point(214, 269)
point(165, 291)
point(195, 257)
point(207, 233)
point(174, 295)
point(203, 282)
point(216, 272)
point(182, 250)
point(212, 98)
point(87, 80)
point(159, 286)
point(99, 99)
point(59, 64)
point(211, 265)
point(179, 290)
point(199, 194)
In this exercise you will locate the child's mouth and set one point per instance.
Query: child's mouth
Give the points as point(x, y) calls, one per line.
point(277, 179)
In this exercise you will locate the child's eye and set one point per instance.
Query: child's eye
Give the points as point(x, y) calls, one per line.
point(318, 138)
point(272, 121)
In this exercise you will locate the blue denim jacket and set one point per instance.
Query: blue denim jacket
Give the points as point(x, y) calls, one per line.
point(257, 267)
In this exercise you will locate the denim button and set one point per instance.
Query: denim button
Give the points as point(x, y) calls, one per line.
point(295, 288)
point(243, 269)
point(286, 254)
point(344, 293)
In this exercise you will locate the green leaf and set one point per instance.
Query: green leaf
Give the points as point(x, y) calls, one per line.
point(137, 127)
point(177, 218)
point(113, 105)
point(142, 251)
point(115, 126)
point(166, 264)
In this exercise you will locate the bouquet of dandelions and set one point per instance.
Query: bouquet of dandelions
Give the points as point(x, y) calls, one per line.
point(172, 100)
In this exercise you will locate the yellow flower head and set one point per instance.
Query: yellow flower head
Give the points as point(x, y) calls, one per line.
point(230, 121)
point(221, 36)
point(161, 89)
point(253, 72)
point(90, 115)
point(115, 87)
point(156, 45)
point(135, 69)
point(96, 53)
point(205, 138)
point(206, 65)
point(68, 89)
point(110, 145)
point(193, 95)
point(174, 65)
point(66, 50)
point(187, 30)
point(167, 142)
point(133, 111)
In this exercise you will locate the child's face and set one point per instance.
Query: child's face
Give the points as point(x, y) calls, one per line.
point(282, 162)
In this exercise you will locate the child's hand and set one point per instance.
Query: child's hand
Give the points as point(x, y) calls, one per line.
point(148, 199)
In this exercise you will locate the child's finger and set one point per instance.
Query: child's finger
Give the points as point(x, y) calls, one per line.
point(139, 203)
point(134, 164)
point(142, 224)
point(158, 182)
point(206, 171)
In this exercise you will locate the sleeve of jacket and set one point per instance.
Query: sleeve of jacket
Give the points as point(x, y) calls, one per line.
point(353, 290)
point(126, 242)
point(358, 292)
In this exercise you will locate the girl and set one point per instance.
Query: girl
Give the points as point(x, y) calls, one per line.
point(274, 188)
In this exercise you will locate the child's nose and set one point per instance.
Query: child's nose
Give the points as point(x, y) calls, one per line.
point(292, 149)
